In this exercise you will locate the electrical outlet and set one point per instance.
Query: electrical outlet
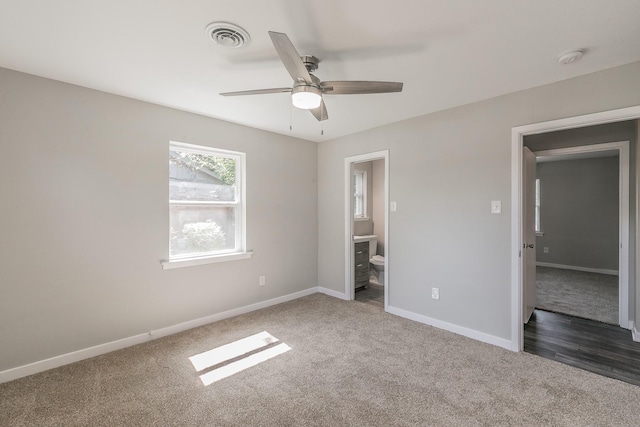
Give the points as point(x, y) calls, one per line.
point(546, 250)
point(262, 280)
point(435, 293)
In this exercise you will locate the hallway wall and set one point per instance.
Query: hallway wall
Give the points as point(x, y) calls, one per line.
point(579, 213)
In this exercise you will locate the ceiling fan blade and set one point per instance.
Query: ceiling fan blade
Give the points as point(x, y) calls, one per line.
point(320, 113)
point(290, 57)
point(258, 91)
point(359, 87)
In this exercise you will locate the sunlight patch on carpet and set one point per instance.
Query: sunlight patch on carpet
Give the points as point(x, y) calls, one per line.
point(246, 350)
point(242, 364)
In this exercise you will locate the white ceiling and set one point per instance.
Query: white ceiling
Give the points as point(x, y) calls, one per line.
point(447, 52)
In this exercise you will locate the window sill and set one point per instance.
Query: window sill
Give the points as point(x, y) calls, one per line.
point(361, 218)
point(539, 233)
point(189, 262)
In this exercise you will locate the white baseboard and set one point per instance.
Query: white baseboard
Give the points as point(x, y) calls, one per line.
point(76, 356)
point(332, 293)
point(460, 330)
point(635, 333)
point(170, 330)
point(576, 268)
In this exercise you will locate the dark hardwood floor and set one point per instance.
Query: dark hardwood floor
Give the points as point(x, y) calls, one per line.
point(587, 344)
point(372, 294)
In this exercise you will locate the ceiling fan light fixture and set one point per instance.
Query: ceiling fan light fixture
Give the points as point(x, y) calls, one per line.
point(306, 97)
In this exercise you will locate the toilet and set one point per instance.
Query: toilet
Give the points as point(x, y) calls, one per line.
point(376, 262)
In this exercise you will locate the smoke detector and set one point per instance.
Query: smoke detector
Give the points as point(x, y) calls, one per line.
point(227, 35)
point(571, 56)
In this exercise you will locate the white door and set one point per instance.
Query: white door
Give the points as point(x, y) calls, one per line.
point(529, 234)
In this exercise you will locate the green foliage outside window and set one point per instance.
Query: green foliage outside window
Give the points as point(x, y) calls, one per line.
point(223, 168)
point(203, 237)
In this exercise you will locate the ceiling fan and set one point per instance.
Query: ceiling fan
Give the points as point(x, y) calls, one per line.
point(307, 89)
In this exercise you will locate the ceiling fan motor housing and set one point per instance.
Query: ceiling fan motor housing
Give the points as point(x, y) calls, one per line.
point(310, 62)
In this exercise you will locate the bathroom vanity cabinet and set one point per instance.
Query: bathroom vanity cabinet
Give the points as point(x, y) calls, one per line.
point(361, 264)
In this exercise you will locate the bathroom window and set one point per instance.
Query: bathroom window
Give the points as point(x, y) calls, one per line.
point(206, 203)
point(359, 194)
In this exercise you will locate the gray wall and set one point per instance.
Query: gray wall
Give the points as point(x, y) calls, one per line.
point(445, 168)
point(579, 212)
point(378, 204)
point(84, 187)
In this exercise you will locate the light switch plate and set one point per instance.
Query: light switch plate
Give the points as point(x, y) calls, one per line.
point(496, 206)
point(393, 206)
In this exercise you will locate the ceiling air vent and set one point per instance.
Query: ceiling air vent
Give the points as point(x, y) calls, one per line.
point(227, 35)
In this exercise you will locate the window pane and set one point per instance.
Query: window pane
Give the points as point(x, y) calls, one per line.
point(358, 205)
point(202, 229)
point(200, 177)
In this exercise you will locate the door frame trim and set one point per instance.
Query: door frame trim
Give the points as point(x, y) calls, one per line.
point(348, 221)
point(517, 137)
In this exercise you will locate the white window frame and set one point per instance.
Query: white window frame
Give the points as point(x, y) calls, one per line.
point(239, 252)
point(363, 215)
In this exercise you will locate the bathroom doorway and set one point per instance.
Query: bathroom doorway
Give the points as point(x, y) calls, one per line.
point(367, 228)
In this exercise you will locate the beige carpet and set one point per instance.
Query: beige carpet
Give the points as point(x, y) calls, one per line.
point(350, 364)
point(578, 293)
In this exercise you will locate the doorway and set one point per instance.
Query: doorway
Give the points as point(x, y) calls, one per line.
point(585, 216)
point(517, 228)
point(354, 207)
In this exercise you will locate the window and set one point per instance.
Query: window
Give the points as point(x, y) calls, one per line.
point(537, 212)
point(206, 202)
point(359, 194)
